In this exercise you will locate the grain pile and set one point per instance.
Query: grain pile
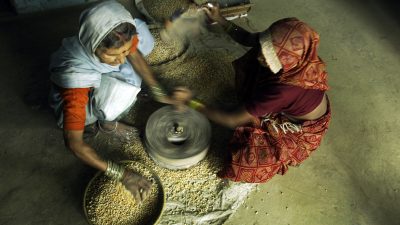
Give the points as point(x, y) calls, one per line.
point(108, 202)
point(165, 51)
point(195, 188)
point(161, 10)
point(207, 73)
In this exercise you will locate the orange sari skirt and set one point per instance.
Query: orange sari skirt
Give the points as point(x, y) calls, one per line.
point(257, 154)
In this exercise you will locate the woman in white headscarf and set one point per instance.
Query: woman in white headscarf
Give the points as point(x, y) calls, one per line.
point(96, 76)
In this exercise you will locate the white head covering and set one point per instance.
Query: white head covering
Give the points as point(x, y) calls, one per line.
point(75, 64)
point(97, 22)
point(268, 51)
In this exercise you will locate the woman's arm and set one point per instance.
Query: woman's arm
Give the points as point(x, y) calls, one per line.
point(74, 116)
point(74, 141)
point(133, 182)
point(237, 33)
point(140, 65)
point(231, 120)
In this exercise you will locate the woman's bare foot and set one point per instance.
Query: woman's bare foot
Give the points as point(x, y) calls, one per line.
point(90, 131)
point(121, 131)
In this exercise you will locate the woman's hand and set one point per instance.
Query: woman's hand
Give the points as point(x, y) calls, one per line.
point(137, 185)
point(213, 13)
point(179, 96)
point(182, 95)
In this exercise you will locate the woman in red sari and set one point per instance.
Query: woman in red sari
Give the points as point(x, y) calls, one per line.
point(281, 82)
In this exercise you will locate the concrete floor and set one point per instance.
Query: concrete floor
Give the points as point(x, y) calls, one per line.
point(354, 177)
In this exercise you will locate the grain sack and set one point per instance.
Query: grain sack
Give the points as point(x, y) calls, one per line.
point(187, 27)
point(160, 10)
point(165, 51)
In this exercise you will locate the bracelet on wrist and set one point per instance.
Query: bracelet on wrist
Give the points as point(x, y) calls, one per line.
point(196, 105)
point(157, 92)
point(114, 171)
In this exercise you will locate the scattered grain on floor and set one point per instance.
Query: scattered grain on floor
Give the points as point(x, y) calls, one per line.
point(196, 187)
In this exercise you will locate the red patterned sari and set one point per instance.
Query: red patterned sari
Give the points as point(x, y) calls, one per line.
point(268, 148)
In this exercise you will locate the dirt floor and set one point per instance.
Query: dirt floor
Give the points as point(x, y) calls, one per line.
point(353, 178)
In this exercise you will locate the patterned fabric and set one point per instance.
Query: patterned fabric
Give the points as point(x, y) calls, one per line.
point(296, 44)
point(259, 152)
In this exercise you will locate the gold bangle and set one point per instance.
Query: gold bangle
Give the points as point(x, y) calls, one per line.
point(114, 171)
point(157, 92)
point(196, 105)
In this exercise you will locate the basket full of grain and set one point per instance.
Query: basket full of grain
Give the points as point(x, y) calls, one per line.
point(107, 201)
